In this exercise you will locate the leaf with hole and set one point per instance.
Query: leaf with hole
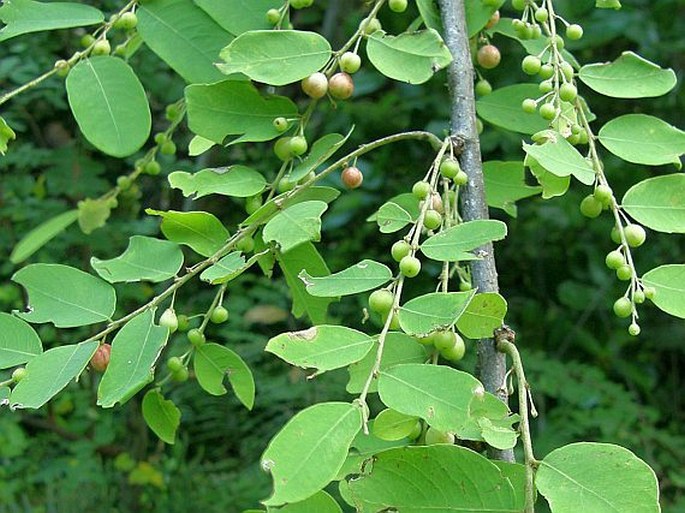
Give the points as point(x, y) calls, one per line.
point(559, 157)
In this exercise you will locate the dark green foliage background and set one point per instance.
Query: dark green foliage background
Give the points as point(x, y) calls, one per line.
point(591, 380)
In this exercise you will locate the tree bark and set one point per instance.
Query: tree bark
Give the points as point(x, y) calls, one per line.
point(491, 363)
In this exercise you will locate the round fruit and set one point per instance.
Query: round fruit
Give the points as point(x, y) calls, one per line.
point(436, 203)
point(650, 293)
point(483, 88)
point(341, 86)
point(574, 32)
point(421, 189)
point(488, 56)
point(432, 220)
point(281, 124)
point(615, 259)
point(529, 105)
point(19, 374)
point(558, 40)
point(219, 315)
point(169, 320)
point(394, 322)
point(494, 20)
point(531, 65)
point(410, 266)
point(639, 297)
point(126, 21)
point(371, 26)
point(546, 71)
point(519, 5)
point(160, 138)
point(443, 339)
point(282, 149)
point(568, 92)
point(591, 207)
point(100, 359)
point(548, 111)
point(603, 193)
point(62, 67)
point(449, 167)
point(123, 182)
point(416, 431)
point(168, 148)
point(623, 307)
point(196, 337)
point(352, 177)
point(253, 203)
point(634, 329)
point(298, 145)
point(397, 5)
point(152, 168)
point(546, 86)
point(624, 273)
point(541, 15)
point(462, 178)
point(616, 235)
point(301, 4)
point(350, 62)
point(272, 16)
point(315, 85)
point(246, 244)
point(465, 286)
point(433, 436)
point(285, 185)
point(567, 70)
point(380, 301)
point(180, 375)
point(102, 47)
point(174, 364)
point(455, 352)
point(400, 249)
point(635, 235)
point(183, 322)
point(87, 40)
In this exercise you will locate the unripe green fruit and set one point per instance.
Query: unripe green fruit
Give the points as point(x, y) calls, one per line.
point(62, 68)
point(456, 352)
point(18, 374)
point(531, 65)
point(219, 315)
point(639, 297)
point(350, 62)
point(479, 126)
point(432, 219)
point(623, 307)
point(529, 105)
point(568, 92)
point(519, 5)
point(443, 339)
point(394, 322)
point(615, 259)
point(352, 177)
point(433, 436)
point(172, 112)
point(371, 26)
point(282, 149)
point(174, 364)
point(298, 145)
point(541, 15)
point(169, 320)
point(196, 337)
point(462, 178)
point(567, 70)
point(87, 40)
point(558, 40)
point(397, 5)
point(483, 88)
point(341, 86)
point(410, 266)
point(400, 249)
point(272, 16)
point(301, 4)
point(603, 194)
point(624, 273)
point(246, 244)
point(123, 182)
point(183, 322)
point(180, 375)
point(488, 56)
point(449, 167)
point(546, 86)
point(574, 32)
point(573, 139)
point(102, 47)
point(421, 189)
point(253, 203)
point(416, 431)
point(650, 293)
point(100, 359)
point(168, 148)
point(591, 207)
point(546, 71)
point(635, 235)
point(548, 111)
point(285, 185)
point(160, 138)
point(281, 124)
point(583, 137)
point(126, 21)
point(634, 329)
point(152, 168)
point(616, 235)
point(381, 301)
point(464, 286)
point(315, 85)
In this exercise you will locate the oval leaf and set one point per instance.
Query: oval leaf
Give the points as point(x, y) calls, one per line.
point(366, 275)
point(560, 158)
point(658, 203)
point(109, 104)
point(669, 282)
point(65, 296)
point(296, 225)
point(438, 310)
point(235, 181)
point(145, 258)
point(238, 16)
point(41, 235)
point(19, 342)
point(310, 449)
point(629, 76)
point(322, 348)
point(200, 231)
point(135, 350)
point(391, 217)
point(602, 478)
point(485, 312)
point(502, 108)
point(213, 362)
point(392, 425)
point(48, 373)
point(454, 244)
point(505, 184)
point(320, 502)
point(161, 415)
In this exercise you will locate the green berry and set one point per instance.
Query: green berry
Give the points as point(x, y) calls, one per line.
point(623, 307)
point(397, 5)
point(433, 436)
point(416, 431)
point(272, 16)
point(519, 5)
point(639, 297)
point(568, 92)
point(219, 315)
point(548, 111)
point(126, 21)
point(169, 320)
point(529, 105)
point(281, 124)
point(574, 32)
point(102, 47)
point(541, 15)
point(196, 337)
point(443, 339)
point(634, 329)
point(635, 235)
point(168, 148)
point(483, 88)
point(421, 190)
point(531, 65)
point(465, 286)
point(410, 266)
point(160, 138)
point(567, 70)
point(174, 364)
point(180, 375)
point(603, 194)
point(455, 352)
point(616, 235)
point(449, 167)
point(253, 203)
point(546, 71)
point(18, 374)
point(123, 182)
point(591, 207)
point(301, 4)
point(615, 259)
point(546, 86)
point(371, 26)
point(650, 293)
point(624, 272)
point(350, 62)
point(87, 40)
point(172, 112)
point(152, 168)
point(246, 244)
point(462, 178)
point(183, 322)
point(400, 249)
point(432, 220)
point(282, 149)
point(558, 40)
point(381, 301)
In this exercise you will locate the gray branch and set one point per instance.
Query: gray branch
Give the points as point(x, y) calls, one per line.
point(491, 363)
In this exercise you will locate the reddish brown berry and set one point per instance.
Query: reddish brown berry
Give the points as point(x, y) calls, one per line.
point(488, 56)
point(100, 359)
point(352, 177)
point(341, 86)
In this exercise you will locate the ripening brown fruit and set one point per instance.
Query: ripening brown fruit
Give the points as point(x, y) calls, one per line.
point(488, 56)
point(341, 86)
point(315, 85)
point(494, 19)
point(100, 359)
point(352, 177)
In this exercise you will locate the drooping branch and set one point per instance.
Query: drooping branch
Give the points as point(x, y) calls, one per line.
point(491, 363)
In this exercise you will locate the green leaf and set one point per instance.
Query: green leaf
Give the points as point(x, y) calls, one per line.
point(276, 57)
point(200, 231)
point(109, 104)
point(213, 362)
point(26, 16)
point(199, 145)
point(438, 394)
point(65, 296)
point(399, 348)
point(309, 450)
point(629, 76)
point(411, 57)
point(430, 14)
point(6, 134)
point(552, 185)
point(438, 310)
point(502, 108)
point(295, 225)
point(320, 502)
point(218, 110)
point(391, 218)
point(669, 282)
point(275, 205)
point(516, 475)
point(5, 396)
point(366, 275)
point(484, 314)
point(658, 203)
point(491, 421)
point(392, 425)
point(559, 157)
point(498, 435)
point(416, 479)
point(643, 139)
point(48, 373)
point(19, 342)
point(135, 350)
point(224, 269)
point(305, 256)
point(41, 235)
point(478, 14)
point(236, 181)
point(321, 151)
point(322, 347)
point(505, 184)
point(161, 415)
point(608, 4)
point(145, 259)
point(93, 214)
point(238, 16)
point(183, 36)
point(456, 243)
point(406, 201)
point(601, 478)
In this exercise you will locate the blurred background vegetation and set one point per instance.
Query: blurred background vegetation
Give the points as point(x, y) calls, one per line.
point(590, 379)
